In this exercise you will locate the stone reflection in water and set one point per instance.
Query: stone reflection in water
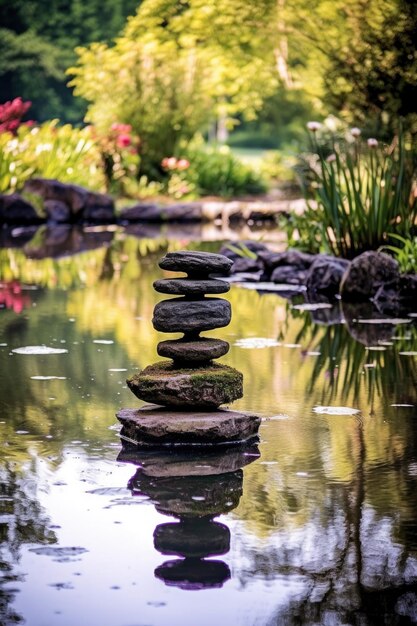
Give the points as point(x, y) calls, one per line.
point(194, 488)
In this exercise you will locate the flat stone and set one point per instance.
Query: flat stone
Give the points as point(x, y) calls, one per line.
point(193, 352)
point(160, 426)
point(186, 286)
point(185, 316)
point(209, 386)
point(196, 263)
point(166, 385)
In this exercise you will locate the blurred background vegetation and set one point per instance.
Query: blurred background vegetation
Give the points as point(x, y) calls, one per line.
point(195, 98)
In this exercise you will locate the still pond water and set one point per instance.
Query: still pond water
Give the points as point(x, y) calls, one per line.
point(317, 524)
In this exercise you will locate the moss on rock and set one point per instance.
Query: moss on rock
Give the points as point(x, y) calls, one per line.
point(209, 386)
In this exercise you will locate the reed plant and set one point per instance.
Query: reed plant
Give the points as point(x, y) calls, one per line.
point(359, 192)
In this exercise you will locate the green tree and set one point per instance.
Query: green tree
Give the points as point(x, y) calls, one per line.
point(359, 58)
point(176, 67)
point(37, 45)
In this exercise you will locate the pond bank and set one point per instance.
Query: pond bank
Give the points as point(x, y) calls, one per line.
point(47, 201)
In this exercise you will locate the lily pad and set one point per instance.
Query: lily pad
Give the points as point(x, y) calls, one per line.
point(335, 410)
point(39, 350)
point(257, 342)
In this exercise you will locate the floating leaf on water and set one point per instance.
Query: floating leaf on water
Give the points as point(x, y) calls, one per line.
point(41, 350)
point(104, 341)
point(312, 307)
point(272, 287)
point(279, 416)
point(387, 320)
point(48, 378)
point(257, 342)
point(403, 405)
point(335, 410)
point(408, 353)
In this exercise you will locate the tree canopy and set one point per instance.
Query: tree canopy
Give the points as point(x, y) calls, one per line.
point(37, 42)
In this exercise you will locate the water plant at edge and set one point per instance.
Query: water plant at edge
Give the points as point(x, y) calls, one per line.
point(360, 192)
point(406, 254)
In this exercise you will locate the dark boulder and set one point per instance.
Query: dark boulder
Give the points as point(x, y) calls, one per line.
point(152, 212)
point(244, 264)
point(325, 274)
point(397, 297)
point(288, 274)
point(57, 211)
point(83, 205)
point(292, 258)
point(366, 274)
point(14, 209)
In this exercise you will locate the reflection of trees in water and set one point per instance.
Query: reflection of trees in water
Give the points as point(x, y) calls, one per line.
point(355, 562)
point(356, 358)
point(22, 521)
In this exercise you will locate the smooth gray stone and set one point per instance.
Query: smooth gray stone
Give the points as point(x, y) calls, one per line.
point(187, 286)
point(200, 263)
point(180, 315)
point(366, 274)
point(208, 386)
point(158, 425)
point(198, 351)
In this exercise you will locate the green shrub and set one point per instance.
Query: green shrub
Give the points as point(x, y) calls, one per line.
point(50, 151)
point(358, 193)
point(215, 171)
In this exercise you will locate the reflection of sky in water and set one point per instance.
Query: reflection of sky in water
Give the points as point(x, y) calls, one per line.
point(331, 502)
point(113, 580)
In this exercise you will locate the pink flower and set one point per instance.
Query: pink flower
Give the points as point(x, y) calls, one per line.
point(372, 143)
point(313, 126)
point(123, 140)
point(121, 128)
point(355, 132)
point(183, 164)
point(169, 163)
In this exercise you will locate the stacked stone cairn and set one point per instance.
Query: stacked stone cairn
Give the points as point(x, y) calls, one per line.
point(189, 388)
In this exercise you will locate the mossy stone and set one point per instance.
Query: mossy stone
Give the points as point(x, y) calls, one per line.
point(164, 384)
